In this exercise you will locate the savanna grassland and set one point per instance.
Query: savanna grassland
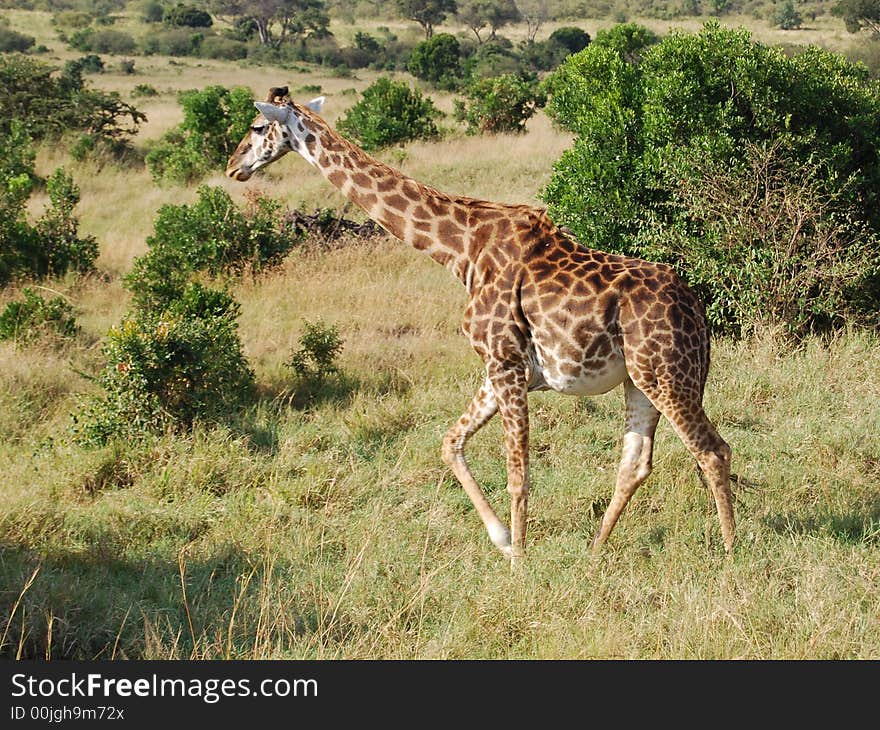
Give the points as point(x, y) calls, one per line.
point(323, 524)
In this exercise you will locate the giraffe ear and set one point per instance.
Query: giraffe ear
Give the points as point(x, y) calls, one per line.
point(316, 104)
point(271, 112)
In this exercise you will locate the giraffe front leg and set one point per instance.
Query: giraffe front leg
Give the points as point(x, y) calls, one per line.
point(511, 393)
point(480, 411)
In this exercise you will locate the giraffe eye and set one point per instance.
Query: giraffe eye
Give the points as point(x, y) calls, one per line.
point(259, 128)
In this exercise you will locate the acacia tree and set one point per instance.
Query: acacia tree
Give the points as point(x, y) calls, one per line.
point(427, 13)
point(534, 13)
point(478, 14)
point(277, 21)
point(858, 14)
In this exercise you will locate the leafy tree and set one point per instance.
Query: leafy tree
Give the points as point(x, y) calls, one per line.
point(366, 42)
point(534, 13)
point(786, 16)
point(494, 14)
point(152, 11)
point(501, 104)
point(50, 104)
point(188, 16)
point(427, 13)
point(571, 38)
point(627, 40)
point(652, 122)
point(52, 246)
point(277, 21)
point(437, 60)
point(859, 14)
point(214, 121)
point(389, 113)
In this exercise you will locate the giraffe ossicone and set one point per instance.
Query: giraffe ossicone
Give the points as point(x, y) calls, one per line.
point(544, 313)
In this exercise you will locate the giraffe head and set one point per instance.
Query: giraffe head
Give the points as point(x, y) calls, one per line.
point(275, 131)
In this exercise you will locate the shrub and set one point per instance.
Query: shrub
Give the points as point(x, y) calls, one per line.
point(389, 113)
point(60, 247)
point(774, 246)
point(501, 104)
point(571, 38)
point(786, 16)
point(496, 58)
point(32, 317)
point(214, 121)
point(90, 64)
point(12, 41)
point(210, 236)
point(627, 40)
point(319, 346)
point(173, 42)
point(52, 246)
point(152, 11)
point(50, 104)
point(223, 48)
point(102, 41)
point(169, 368)
point(126, 66)
point(188, 16)
point(72, 19)
point(437, 60)
point(144, 90)
point(671, 116)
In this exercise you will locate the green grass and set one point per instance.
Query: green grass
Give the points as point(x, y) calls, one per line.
point(328, 527)
point(323, 524)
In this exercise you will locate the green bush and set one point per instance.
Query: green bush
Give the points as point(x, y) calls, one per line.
point(571, 38)
point(51, 246)
point(211, 236)
point(501, 104)
point(32, 317)
point(90, 64)
point(173, 42)
point(167, 369)
point(102, 41)
point(319, 346)
point(49, 104)
point(496, 58)
point(152, 11)
point(187, 16)
point(12, 41)
point(437, 60)
point(786, 16)
point(223, 48)
point(214, 121)
point(652, 121)
point(389, 113)
point(144, 90)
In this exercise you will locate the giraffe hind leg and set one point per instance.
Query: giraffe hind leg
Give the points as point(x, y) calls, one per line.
point(636, 461)
point(689, 421)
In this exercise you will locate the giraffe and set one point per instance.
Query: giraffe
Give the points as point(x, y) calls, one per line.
point(544, 313)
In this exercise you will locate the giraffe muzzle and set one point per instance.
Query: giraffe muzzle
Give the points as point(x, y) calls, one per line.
point(238, 173)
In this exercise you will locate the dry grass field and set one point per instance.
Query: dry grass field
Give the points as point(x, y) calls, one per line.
point(329, 528)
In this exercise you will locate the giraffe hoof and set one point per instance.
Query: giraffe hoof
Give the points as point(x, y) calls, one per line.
point(500, 537)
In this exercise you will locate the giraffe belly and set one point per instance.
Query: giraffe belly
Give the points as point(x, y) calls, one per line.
point(573, 378)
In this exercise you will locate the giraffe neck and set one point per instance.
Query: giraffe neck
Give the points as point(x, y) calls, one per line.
point(418, 215)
